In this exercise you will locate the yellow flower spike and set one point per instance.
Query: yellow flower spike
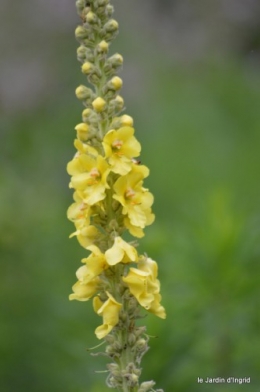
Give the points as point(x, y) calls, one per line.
point(127, 121)
point(110, 311)
point(83, 292)
point(122, 252)
point(99, 104)
point(120, 147)
point(109, 199)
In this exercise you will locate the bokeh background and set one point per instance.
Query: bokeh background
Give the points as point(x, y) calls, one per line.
point(192, 84)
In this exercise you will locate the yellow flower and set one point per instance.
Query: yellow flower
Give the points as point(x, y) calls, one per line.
point(89, 177)
point(85, 149)
point(88, 275)
point(84, 291)
point(122, 252)
point(79, 213)
point(95, 263)
point(135, 199)
point(110, 311)
point(120, 147)
point(86, 235)
point(145, 286)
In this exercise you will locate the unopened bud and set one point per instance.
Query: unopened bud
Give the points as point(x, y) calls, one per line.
point(127, 121)
point(103, 47)
point(81, 33)
point(83, 92)
point(117, 104)
point(131, 339)
point(102, 2)
point(99, 104)
point(116, 83)
point(91, 18)
point(110, 10)
point(80, 4)
point(87, 68)
point(141, 344)
point(146, 386)
point(81, 53)
point(111, 26)
point(116, 60)
point(82, 131)
point(86, 114)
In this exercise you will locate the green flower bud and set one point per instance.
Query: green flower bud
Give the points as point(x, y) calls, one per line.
point(111, 26)
point(81, 53)
point(131, 339)
point(102, 2)
point(80, 4)
point(81, 33)
point(146, 386)
point(116, 105)
point(109, 10)
point(91, 18)
point(141, 345)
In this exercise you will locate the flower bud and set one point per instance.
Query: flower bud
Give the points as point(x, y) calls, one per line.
point(81, 33)
point(102, 2)
point(116, 83)
point(141, 344)
point(82, 131)
point(127, 121)
point(83, 92)
point(146, 386)
point(80, 4)
point(81, 53)
point(87, 68)
point(117, 104)
point(99, 104)
point(131, 339)
point(109, 10)
point(116, 60)
point(86, 114)
point(91, 18)
point(111, 26)
point(102, 47)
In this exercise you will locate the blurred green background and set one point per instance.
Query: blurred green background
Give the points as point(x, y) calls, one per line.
point(192, 84)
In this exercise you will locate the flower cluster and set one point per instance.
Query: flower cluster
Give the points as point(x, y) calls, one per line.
point(109, 196)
